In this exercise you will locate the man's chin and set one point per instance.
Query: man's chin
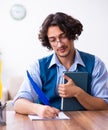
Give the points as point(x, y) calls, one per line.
point(63, 55)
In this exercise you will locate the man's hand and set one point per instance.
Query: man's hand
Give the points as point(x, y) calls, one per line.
point(69, 89)
point(45, 111)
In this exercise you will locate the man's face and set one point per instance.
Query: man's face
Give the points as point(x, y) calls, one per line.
point(62, 46)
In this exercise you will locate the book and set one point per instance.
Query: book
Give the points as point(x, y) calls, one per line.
point(81, 80)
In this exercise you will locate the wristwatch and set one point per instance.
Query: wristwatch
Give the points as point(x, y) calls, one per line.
point(18, 12)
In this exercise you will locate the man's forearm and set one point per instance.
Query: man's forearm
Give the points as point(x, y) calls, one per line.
point(90, 102)
point(24, 106)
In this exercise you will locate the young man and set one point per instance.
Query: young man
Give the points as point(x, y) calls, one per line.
point(58, 33)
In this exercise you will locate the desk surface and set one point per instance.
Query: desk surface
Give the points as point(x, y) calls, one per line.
point(80, 120)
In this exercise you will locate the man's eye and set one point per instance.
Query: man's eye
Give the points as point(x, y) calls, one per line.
point(62, 36)
point(51, 40)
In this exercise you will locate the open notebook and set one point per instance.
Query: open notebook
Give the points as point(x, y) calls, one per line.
point(81, 80)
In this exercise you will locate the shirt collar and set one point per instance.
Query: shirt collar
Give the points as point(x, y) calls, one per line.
point(77, 60)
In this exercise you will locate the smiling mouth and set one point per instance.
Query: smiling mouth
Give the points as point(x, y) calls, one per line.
point(62, 49)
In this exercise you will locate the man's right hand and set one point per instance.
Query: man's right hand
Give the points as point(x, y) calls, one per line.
point(45, 111)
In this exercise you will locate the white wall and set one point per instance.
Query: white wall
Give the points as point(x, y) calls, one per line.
point(19, 42)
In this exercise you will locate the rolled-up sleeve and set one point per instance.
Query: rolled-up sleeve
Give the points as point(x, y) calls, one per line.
point(26, 90)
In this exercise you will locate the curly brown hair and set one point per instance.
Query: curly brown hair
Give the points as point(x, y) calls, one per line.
point(69, 25)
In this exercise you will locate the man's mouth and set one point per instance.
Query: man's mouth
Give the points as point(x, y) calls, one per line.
point(62, 49)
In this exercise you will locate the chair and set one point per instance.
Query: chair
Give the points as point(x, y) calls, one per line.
point(11, 90)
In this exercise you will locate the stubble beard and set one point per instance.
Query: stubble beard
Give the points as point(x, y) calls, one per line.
point(65, 54)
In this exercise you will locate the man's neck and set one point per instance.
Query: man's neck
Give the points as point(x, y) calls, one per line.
point(67, 61)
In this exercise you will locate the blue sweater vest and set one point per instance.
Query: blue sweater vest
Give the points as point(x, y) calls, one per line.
point(49, 76)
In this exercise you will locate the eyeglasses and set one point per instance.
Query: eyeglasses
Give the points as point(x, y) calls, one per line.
point(62, 38)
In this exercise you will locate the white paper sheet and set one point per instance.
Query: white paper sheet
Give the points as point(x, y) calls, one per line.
point(61, 116)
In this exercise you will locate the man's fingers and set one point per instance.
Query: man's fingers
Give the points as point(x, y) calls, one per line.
point(66, 77)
